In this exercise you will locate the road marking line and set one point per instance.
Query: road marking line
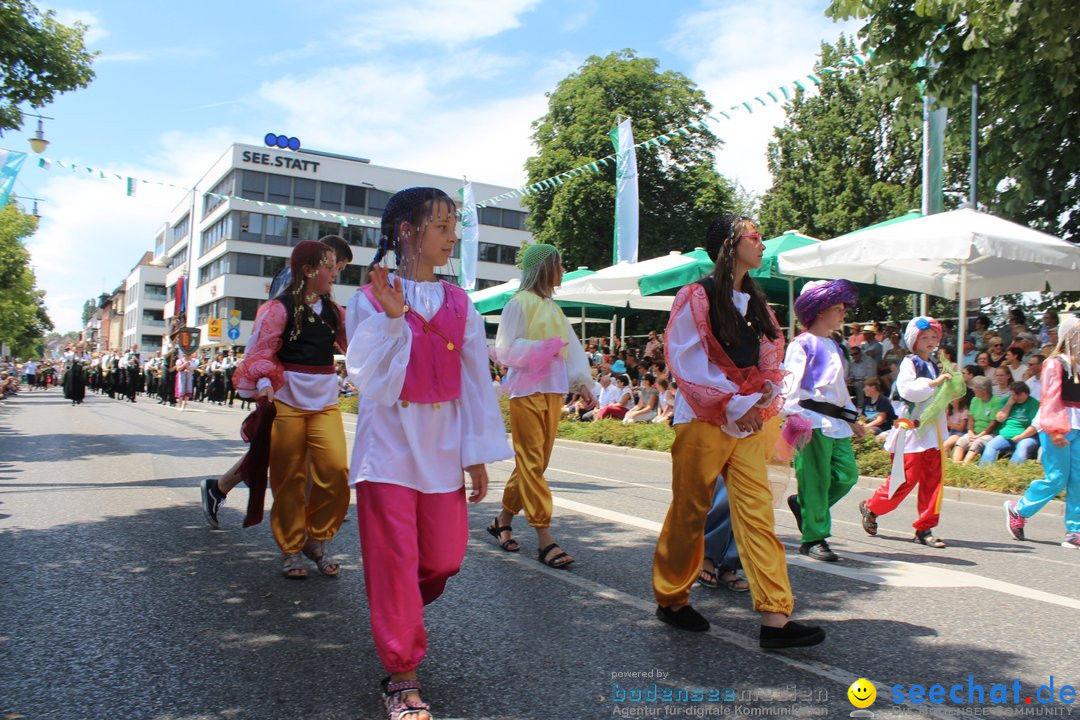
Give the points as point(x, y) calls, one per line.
point(821, 669)
point(895, 573)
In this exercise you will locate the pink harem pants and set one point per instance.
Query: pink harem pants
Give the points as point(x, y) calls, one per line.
point(411, 543)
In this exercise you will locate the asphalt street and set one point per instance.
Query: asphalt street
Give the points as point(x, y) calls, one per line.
point(119, 602)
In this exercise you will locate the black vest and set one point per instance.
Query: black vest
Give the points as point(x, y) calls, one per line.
point(747, 351)
point(315, 344)
point(1070, 384)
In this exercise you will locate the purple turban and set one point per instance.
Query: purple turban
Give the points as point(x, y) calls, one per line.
point(819, 295)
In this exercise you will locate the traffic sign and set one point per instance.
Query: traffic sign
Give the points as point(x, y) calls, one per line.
point(234, 318)
point(234, 333)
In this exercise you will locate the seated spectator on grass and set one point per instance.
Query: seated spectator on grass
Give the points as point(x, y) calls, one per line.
point(648, 400)
point(996, 348)
point(1049, 329)
point(982, 422)
point(666, 403)
point(878, 413)
point(978, 336)
point(1033, 375)
point(970, 353)
point(1002, 380)
point(860, 368)
point(1017, 434)
point(618, 410)
point(609, 394)
point(957, 420)
point(654, 348)
point(982, 360)
point(970, 372)
point(1014, 357)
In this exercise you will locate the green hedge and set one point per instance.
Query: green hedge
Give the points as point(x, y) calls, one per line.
point(871, 459)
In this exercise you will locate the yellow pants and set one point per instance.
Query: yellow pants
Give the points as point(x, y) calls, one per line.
point(533, 423)
point(296, 435)
point(700, 453)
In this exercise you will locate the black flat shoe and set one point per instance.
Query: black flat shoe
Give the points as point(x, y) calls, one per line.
point(791, 635)
point(819, 550)
point(685, 618)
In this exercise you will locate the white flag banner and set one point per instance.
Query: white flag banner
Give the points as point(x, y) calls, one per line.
point(470, 237)
point(626, 194)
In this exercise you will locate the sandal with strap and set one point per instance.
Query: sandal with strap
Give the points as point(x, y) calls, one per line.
point(495, 530)
point(708, 579)
point(399, 707)
point(293, 567)
point(315, 551)
point(732, 583)
point(929, 539)
point(554, 561)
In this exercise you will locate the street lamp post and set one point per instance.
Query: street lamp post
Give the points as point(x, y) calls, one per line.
point(38, 143)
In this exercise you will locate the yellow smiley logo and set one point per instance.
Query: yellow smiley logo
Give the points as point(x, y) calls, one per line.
point(862, 693)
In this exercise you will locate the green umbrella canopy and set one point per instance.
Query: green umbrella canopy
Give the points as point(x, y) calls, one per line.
point(698, 265)
point(492, 300)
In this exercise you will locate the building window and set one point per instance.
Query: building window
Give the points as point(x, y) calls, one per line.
point(251, 227)
point(277, 229)
point(377, 201)
point(355, 198)
point(330, 195)
point(361, 236)
point(253, 185)
point(159, 244)
point(154, 292)
point(353, 275)
point(303, 230)
point(179, 259)
point(501, 217)
point(224, 187)
point(205, 312)
point(495, 253)
point(248, 307)
point(150, 343)
point(304, 192)
point(272, 265)
point(280, 190)
point(179, 231)
point(216, 234)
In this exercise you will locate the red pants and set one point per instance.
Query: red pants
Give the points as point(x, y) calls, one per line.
point(922, 469)
point(412, 543)
point(617, 412)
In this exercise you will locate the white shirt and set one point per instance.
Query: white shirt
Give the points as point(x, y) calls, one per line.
point(831, 389)
point(421, 446)
point(609, 395)
point(511, 347)
point(688, 360)
point(917, 390)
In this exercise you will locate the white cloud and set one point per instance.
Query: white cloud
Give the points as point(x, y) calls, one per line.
point(741, 50)
point(121, 57)
point(411, 116)
point(92, 234)
point(95, 31)
point(431, 22)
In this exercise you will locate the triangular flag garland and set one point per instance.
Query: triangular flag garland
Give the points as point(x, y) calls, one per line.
point(786, 92)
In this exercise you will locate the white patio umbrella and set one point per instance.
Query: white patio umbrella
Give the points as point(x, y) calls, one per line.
point(618, 285)
point(955, 255)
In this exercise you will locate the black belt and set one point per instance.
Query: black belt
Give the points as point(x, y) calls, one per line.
point(830, 410)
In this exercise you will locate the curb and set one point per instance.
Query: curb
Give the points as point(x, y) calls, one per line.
point(973, 496)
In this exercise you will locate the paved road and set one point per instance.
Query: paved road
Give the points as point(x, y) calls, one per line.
point(119, 602)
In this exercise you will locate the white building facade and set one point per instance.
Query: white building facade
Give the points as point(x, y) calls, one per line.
point(144, 307)
point(266, 200)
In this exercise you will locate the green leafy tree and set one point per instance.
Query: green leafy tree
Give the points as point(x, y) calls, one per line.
point(39, 58)
point(88, 309)
point(23, 318)
point(1025, 58)
point(679, 189)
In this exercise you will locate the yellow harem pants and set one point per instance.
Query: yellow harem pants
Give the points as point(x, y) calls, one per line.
point(700, 453)
point(534, 421)
point(297, 433)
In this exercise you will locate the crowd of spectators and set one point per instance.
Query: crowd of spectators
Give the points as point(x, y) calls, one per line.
point(1001, 367)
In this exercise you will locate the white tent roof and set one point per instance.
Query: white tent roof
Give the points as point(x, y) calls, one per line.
point(926, 255)
point(618, 285)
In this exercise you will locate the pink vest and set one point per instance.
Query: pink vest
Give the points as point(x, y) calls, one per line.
point(434, 371)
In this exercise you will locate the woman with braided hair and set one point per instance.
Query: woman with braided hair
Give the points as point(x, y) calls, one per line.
point(426, 416)
point(290, 363)
point(724, 347)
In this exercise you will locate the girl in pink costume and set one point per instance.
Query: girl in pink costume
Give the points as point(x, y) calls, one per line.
point(427, 414)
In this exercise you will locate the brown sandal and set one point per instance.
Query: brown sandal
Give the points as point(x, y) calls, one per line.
point(293, 567)
point(316, 552)
point(928, 539)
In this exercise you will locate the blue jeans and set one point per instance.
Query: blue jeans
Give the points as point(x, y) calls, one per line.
point(1062, 465)
point(719, 538)
point(1022, 450)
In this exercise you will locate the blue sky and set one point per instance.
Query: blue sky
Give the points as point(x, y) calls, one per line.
point(437, 86)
